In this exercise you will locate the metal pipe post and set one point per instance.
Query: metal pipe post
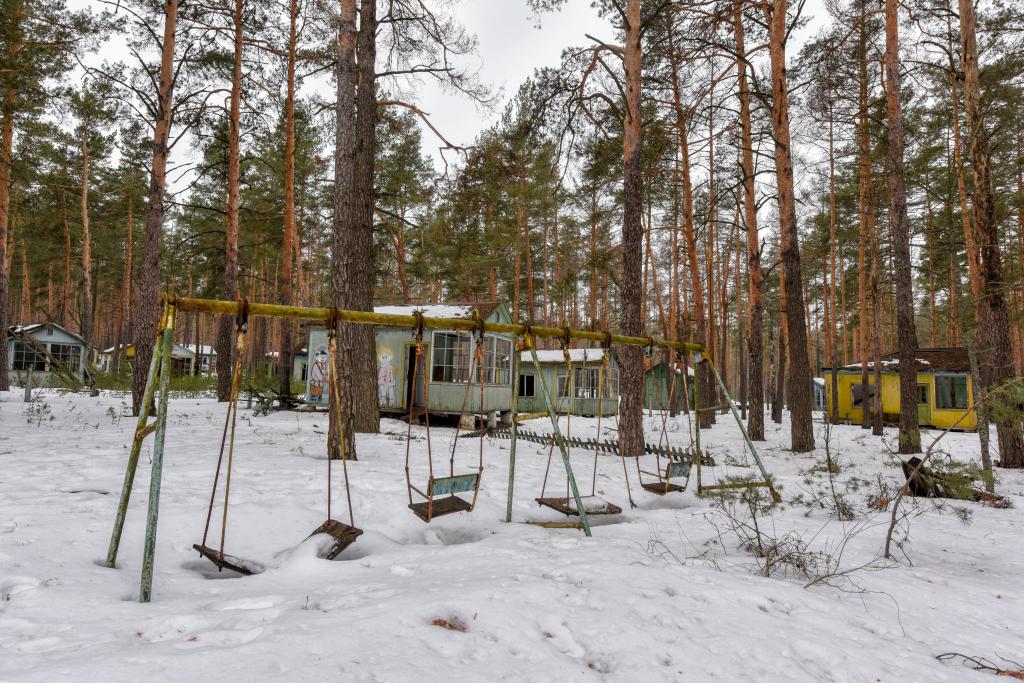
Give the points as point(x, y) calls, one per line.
point(149, 548)
point(133, 457)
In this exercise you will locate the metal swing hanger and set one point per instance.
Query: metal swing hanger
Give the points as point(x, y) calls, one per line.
point(572, 502)
point(440, 492)
point(674, 468)
point(217, 555)
point(343, 535)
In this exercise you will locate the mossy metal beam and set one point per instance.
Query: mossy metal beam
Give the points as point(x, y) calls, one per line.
point(222, 307)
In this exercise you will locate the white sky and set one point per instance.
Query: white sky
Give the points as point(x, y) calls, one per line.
point(511, 47)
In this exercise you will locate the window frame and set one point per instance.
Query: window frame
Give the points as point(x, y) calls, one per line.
point(522, 384)
point(36, 361)
point(951, 380)
point(492, 372)
point(447, 357)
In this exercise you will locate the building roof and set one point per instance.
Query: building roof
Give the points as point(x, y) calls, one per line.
point(36, 327)
point(937, 359)
point(275, 354)
point(450, 310)
point(556, 356)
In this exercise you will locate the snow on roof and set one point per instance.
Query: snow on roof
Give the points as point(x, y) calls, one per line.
point(937, 359)
point(32, 327)
point(820, 381)
point(556, 356)
point(428, 310)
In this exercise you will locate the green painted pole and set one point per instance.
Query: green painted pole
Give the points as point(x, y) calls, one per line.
point(750, 444)
point(515, 429)
point(560, 441)
point(149, 549)
point(133, 459)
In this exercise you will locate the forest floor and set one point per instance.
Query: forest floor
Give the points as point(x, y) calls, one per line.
point(663, 591)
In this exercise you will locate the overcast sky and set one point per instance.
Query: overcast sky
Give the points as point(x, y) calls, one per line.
point(511, 47)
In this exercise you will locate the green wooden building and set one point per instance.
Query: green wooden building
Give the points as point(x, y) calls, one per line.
point(445, 364)
point(658, 386)
point(589, 394)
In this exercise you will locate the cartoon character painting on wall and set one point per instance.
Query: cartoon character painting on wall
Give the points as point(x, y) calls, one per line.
point(318, 376)
point(385, 379)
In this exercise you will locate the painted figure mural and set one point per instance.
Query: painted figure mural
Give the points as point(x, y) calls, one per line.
point(318, 376)
point(385, 379)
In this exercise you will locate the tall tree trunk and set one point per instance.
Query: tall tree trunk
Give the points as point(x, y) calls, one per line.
point(866, 205)
point(631, 364)
point(833, 359)
point(65, 293)
point(284, 354)
point(906, 332)
point(362, 338)
point(226, 326)
point(6, 148)
point(755, 314)
point(147, 311)
point(1000, 360)
point(126, 290)
point(800, 397)
point(86, 293)
point(702, 375)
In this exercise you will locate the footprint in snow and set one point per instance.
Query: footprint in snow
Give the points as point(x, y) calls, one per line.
point(555, 630)
point(220, 639)
point(399, 570)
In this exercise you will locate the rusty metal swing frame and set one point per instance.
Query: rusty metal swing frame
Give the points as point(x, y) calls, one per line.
point(159, 375)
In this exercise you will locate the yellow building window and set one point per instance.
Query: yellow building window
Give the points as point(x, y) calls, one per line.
point(951, 392)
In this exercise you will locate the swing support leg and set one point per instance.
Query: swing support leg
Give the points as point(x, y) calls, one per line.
point(512, 446)
point(563, 450)
point(750, 444)
point(149, 549)
point(141, 431)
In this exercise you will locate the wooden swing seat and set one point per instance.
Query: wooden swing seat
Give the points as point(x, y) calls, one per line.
point(674, 468)
point(441, 507)
point(660, 489)
point(343, 535)
point(225, 561)
point(592, 505)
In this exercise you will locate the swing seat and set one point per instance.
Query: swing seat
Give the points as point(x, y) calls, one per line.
point(343, 536)
point(225, 561)
point(439, 486)
point(592, 505)
point(674, 468)
point(660, 489)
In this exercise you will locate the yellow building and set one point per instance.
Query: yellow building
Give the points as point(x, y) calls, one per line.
point(945, 392)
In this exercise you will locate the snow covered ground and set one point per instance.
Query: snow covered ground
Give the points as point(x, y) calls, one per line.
point(656, 594)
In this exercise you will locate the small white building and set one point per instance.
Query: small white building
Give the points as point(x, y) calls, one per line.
point(35, 347)
point(182, 358)
point(300, 365)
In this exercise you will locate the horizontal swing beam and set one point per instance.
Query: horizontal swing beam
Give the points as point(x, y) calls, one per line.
point(223, 307)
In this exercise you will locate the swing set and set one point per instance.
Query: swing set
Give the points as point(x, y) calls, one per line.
point(439, 496)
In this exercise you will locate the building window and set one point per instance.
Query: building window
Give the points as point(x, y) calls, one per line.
point(922, 394)
point(527, 388)
point(26, 358)
point(497, 367)
point(68, 355)
point(589, 380)
point(451, 357)
point(563, 384)
point(857, 391)
point(951, 392)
